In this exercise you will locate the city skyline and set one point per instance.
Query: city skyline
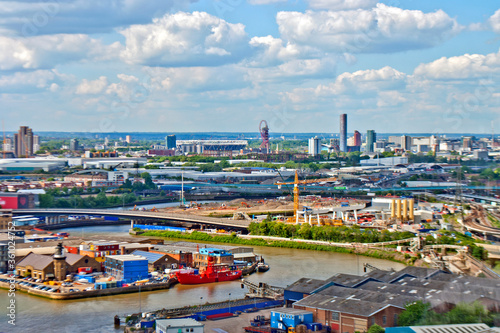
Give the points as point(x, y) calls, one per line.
point(223, 66)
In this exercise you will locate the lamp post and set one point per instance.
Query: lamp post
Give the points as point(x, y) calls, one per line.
point(229, 302)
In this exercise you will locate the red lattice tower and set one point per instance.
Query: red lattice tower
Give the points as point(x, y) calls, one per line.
point(264, 134)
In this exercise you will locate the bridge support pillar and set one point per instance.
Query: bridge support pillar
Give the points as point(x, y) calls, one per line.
point(356, 216)
point(485, 237)
point(443, 251)
point(132, 224)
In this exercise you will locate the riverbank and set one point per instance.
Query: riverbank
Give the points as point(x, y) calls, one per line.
point(389, 254)
point(89, 293)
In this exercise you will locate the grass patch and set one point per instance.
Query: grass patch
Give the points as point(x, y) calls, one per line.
point(234, 239)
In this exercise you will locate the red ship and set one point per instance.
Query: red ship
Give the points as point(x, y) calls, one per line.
point(211, 274)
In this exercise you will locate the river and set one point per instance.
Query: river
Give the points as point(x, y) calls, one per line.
point(35, 314)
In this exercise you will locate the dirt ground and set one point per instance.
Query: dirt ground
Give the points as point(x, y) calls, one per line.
point(251, 206)
point(235, 324)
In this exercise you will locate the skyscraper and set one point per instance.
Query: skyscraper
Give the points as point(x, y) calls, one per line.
point(371, 138)
point(406, 142)
point(314, 146)
point(74, 145)
point(343, 132)
point(357, 139)
point(23, 142)
point(171, 141)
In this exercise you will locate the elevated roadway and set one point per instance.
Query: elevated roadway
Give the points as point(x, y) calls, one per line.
point(140, 215)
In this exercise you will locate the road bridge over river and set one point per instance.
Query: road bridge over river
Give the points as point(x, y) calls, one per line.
point(140, 215)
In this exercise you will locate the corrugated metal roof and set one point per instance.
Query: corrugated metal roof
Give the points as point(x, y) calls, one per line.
point(152, 257)
point(469, 328)
point(344, 305)
point(305, 285)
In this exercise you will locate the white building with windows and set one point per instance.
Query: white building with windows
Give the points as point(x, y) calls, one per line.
point(184, 325)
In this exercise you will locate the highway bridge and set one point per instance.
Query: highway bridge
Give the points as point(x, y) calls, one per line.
point(140, 215)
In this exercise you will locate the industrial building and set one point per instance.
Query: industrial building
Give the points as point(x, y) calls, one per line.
point(183, 258)
point(211, 146)
point(349, 303)
point(18, 200)
point(222, 257)
point(285, 318)
point(128, 268)
point(179, 325)
point(31, 164)
point(42, 266)
point(157, 262)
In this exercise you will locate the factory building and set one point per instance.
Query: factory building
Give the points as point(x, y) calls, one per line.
point(205, 146)
point(222, 257)
point(350, 303)
point(128, 268)
point(179, 325)
point(157, 262)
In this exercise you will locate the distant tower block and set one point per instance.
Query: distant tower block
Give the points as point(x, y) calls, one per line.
point(343, 132)
point(264, 134)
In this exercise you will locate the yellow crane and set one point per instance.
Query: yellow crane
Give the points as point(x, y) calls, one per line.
point(296, 183)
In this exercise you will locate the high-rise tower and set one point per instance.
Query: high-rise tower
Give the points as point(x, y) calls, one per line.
point(23, 142)
point(371, 138)
point(343, 132)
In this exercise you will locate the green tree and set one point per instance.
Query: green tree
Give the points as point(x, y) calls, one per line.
point(376, 329)
point(413, 314)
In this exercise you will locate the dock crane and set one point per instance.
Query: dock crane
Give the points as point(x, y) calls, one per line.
point(296, 192)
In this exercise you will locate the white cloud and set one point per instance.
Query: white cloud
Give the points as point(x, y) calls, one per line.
point(270, 50)
point(381, 29)
point(294, 70)
point(29, 82)
point(494, 22)
point(34, 17)
point(390, 98)
point(341, 4)
point(92, 87)
point(360, 82)
point(199, 79)
point(264, 2)
point(43, 52)
point(185, 39)
point(460, 67)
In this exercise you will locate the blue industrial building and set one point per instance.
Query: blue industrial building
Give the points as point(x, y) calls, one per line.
point(287, 317)
point(128, 268)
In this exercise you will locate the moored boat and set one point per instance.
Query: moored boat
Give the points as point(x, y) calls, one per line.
point(262, 267)
point(212, 273)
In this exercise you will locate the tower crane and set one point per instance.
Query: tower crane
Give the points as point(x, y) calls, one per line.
point(295, 184)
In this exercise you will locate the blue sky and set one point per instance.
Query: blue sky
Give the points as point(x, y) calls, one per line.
point(201, 65)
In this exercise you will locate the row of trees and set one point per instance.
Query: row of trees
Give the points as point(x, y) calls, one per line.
point(420, 313)
point(325, 233)
point(75, 201)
